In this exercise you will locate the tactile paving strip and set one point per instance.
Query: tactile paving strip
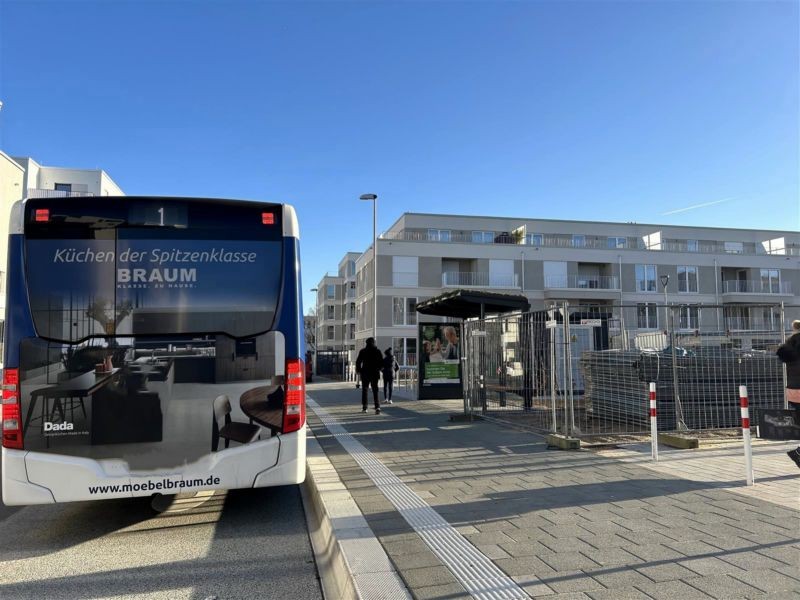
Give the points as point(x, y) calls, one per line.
point(478, 574)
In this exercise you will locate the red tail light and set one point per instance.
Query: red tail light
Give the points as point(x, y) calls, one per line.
point(294, 402)
point(267, 218)
point(12, 412)
point(42, 215)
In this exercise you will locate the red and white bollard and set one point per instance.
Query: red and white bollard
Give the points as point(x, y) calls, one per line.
point(653, 423)
point(748, 451)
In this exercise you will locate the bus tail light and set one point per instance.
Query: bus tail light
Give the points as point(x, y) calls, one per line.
point(294, 402)
point(12, 411)
point(41, 215)
point(267, 218)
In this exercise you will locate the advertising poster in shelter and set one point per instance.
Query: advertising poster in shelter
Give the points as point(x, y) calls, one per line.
point(440, 360)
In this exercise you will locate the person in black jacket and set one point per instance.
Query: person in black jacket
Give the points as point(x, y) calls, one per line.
point(390, 367)
point(368, 368)
point(789, 353)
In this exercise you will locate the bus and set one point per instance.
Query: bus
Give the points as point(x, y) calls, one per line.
point(152, 346)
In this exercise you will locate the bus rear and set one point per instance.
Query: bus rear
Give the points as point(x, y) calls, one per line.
point(152, 345)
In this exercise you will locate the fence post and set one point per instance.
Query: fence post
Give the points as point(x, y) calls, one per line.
point(783, 364)
point(653, 423)
point(748, 451)
point(569, 407)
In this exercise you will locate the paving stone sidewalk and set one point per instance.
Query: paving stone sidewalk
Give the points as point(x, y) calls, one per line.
point(564, 525)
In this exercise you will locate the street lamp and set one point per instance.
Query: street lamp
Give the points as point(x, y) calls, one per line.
point(664, 281)
point(374, 199)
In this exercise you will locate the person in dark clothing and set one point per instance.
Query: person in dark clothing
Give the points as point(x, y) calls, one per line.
point(368, 368)
point(789, 353)
point(390, 367)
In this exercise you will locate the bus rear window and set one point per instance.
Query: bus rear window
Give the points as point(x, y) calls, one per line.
point(116, 271)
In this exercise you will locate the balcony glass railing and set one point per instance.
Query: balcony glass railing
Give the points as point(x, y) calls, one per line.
point(39, 193)
point(601, 243)
point(582, 282)
point(738, 286)
point(479, 279)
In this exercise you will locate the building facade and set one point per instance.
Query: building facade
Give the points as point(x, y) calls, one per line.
point(585, 263)
point(23, 177)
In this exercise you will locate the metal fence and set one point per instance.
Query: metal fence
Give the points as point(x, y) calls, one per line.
point(585, 369)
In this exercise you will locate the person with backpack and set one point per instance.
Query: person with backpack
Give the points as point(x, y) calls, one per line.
point(390, 367)
point(789, 354)
point(368, 367)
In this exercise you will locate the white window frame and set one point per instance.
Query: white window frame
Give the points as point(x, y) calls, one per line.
point(482, 237)
point(684, 281)
point(688, 317)
point(439, 235)
point(330, 291)
point(330, 333)
point(733, 247)
point(615, 242)
point(651, 313)
point(330, 312)
point(406, 314)
point(401, 352)
point(642, 283)
point(402, 273)
point(773, 277)
point(534, 239)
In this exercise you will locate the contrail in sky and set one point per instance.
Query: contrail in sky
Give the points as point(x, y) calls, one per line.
point(704, 204)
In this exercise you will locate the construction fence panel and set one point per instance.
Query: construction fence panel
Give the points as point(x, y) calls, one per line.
point(585, 370)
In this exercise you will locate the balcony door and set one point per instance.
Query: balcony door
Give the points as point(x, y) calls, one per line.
point(501, 273)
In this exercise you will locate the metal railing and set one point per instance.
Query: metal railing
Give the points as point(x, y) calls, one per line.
point(738, 286)
point(410, 319)
point(585, 370)
point(479, 279)
point(582, 282)
point(40, 193)
point(588, 242)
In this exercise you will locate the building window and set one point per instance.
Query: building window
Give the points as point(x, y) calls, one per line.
point(770, 281)
point(404, 311)
point(692, 246)
point(534, 239)
point(646, 278)
point(482, 237)
point(687, 280)
point(331, 332)
point(578, 241)
point(617, 242)
point(647, 316)
point(689, 317)
point(63, 187)
point(330, 312)
point(352, 331)
point(405, 351)
point(352, 310)
point(734, 247)
point(439, 235)
point(330, 291)
point(351, 268)
point(405, 271)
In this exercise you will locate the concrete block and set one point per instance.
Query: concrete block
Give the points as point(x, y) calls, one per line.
point(562, 442)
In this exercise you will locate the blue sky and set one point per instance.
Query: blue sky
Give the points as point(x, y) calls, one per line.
point(620, 111)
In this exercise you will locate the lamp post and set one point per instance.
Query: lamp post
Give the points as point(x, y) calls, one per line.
point(374, 199)
point(664, 281)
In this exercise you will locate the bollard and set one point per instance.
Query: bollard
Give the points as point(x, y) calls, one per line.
point(748, 451)
point(653, 424)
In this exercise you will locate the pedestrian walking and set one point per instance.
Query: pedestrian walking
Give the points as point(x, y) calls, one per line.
point(789, 353)
point(368, 367)
point(390, 367)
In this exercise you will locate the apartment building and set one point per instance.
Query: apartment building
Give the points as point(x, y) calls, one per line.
point(23, 177)
point(336, 307)
point(585, 263)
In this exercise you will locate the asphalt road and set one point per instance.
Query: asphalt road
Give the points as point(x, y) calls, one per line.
point(239, 544)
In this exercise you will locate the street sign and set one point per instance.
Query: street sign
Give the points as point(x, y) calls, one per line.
point(592, 322)
point(478, 333)
point(551, 324)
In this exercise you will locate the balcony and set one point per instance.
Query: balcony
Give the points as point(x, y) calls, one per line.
point(479, 280)
point(39, 193)
point(739, 286)
point(589, 243)
point(586, 287)
point(400, 320)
